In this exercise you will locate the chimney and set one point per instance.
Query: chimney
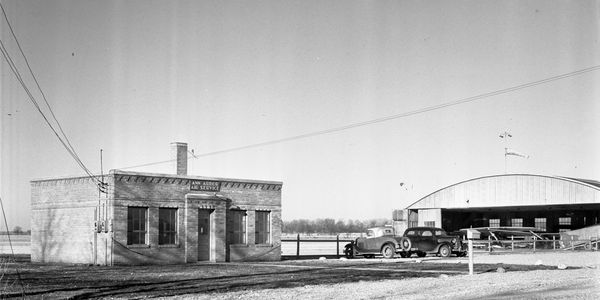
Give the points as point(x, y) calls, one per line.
point(179, 156)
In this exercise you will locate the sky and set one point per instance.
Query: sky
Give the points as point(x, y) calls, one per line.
point(130, 77)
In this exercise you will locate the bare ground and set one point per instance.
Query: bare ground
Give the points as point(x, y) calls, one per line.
point(526, 276)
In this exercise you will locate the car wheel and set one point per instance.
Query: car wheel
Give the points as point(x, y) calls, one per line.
point(349, 251)
point(421, 254)
point(387, 251)
point(444, 251)
point(405, 244)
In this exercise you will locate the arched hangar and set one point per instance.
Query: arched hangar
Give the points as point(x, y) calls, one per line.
point(549, 203)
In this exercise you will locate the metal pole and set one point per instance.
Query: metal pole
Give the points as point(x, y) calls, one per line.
point(337, 246)
point(554, 242)
point(505, 150)
point(298, 246)
point(534, 240)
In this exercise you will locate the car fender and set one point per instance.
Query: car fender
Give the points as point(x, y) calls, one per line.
point(437, 249)
point(392, 241)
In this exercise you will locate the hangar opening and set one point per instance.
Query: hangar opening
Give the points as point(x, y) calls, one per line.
point(551, 204)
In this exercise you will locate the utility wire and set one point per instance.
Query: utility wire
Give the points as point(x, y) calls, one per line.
point(76, 156)
point(17, 74)
point(391, 117)
point(68, 146)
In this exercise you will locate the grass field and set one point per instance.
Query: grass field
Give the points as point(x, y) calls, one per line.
point(20, 244)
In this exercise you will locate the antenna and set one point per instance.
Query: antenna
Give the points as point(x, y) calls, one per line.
point(505, 135)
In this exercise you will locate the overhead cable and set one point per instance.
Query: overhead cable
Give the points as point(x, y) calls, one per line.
point(392, 117)
point(63, 139)
point(64, 135)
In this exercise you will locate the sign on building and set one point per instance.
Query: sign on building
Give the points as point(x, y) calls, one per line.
point(205, 185)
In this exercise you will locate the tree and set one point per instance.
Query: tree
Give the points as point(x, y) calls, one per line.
point(18, 230)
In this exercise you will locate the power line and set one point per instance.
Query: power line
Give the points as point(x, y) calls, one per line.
point(392, 117)
point(38, 85)
point(68, 146)
point(17, 74)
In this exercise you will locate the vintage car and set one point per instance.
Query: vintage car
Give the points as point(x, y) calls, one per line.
point(379, 240)
point(430, 240)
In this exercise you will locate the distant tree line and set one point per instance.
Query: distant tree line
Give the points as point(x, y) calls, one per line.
point(331, 226)
point(18, 230)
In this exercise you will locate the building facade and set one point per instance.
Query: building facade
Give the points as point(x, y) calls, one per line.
point(551, 204)
point(148, 218)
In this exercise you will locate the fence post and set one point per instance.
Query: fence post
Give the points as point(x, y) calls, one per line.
point(512, 243)
point(489, 244)
point(534, 240)
point(554, 242)
point(337, 246)
point(298, 246)
point(572, 248)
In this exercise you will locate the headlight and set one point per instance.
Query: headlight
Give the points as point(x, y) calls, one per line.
point(453, 241)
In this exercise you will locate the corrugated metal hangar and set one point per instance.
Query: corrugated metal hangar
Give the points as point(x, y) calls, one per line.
point(549, 203)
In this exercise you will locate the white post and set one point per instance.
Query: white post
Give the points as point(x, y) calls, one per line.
point(470, 256)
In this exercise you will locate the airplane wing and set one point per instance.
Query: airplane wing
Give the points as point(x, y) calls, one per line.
point(515, 231)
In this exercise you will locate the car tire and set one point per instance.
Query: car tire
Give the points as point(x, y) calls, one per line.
point(444, 251)
point(405, 244)
point(349, 251)
point(421, 254)
point(388, 251)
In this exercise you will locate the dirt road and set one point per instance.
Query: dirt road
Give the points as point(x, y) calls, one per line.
point(533, 276)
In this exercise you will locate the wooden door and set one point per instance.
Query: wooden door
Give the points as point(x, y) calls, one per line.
point(204, 235)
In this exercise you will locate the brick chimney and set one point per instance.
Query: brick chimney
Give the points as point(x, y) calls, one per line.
point(179, 156)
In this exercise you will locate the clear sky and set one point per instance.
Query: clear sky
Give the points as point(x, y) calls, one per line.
point(132, 76)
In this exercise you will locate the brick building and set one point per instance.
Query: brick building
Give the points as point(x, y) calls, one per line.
point(148, 218)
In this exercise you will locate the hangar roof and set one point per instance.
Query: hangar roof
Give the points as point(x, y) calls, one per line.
point(512, 190)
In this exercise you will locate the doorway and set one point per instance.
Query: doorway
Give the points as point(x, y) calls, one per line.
point(204, 234)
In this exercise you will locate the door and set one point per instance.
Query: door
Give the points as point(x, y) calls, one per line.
point(428, 241)
point(204, 235)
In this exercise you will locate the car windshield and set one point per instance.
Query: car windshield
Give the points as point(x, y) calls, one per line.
point(440, 232)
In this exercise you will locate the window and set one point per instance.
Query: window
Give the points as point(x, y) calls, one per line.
point(429, 223)
point(411, 233)
point(494, 223)
point(413, 223)
point(262, 227)
point(516, 222)
point(236, 227)
point(564, 221)
point(136, 225)
point(167, 226)
point(426, 233)
point(540, 224)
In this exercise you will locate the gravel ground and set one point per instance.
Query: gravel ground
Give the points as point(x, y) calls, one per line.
point(580, 280)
